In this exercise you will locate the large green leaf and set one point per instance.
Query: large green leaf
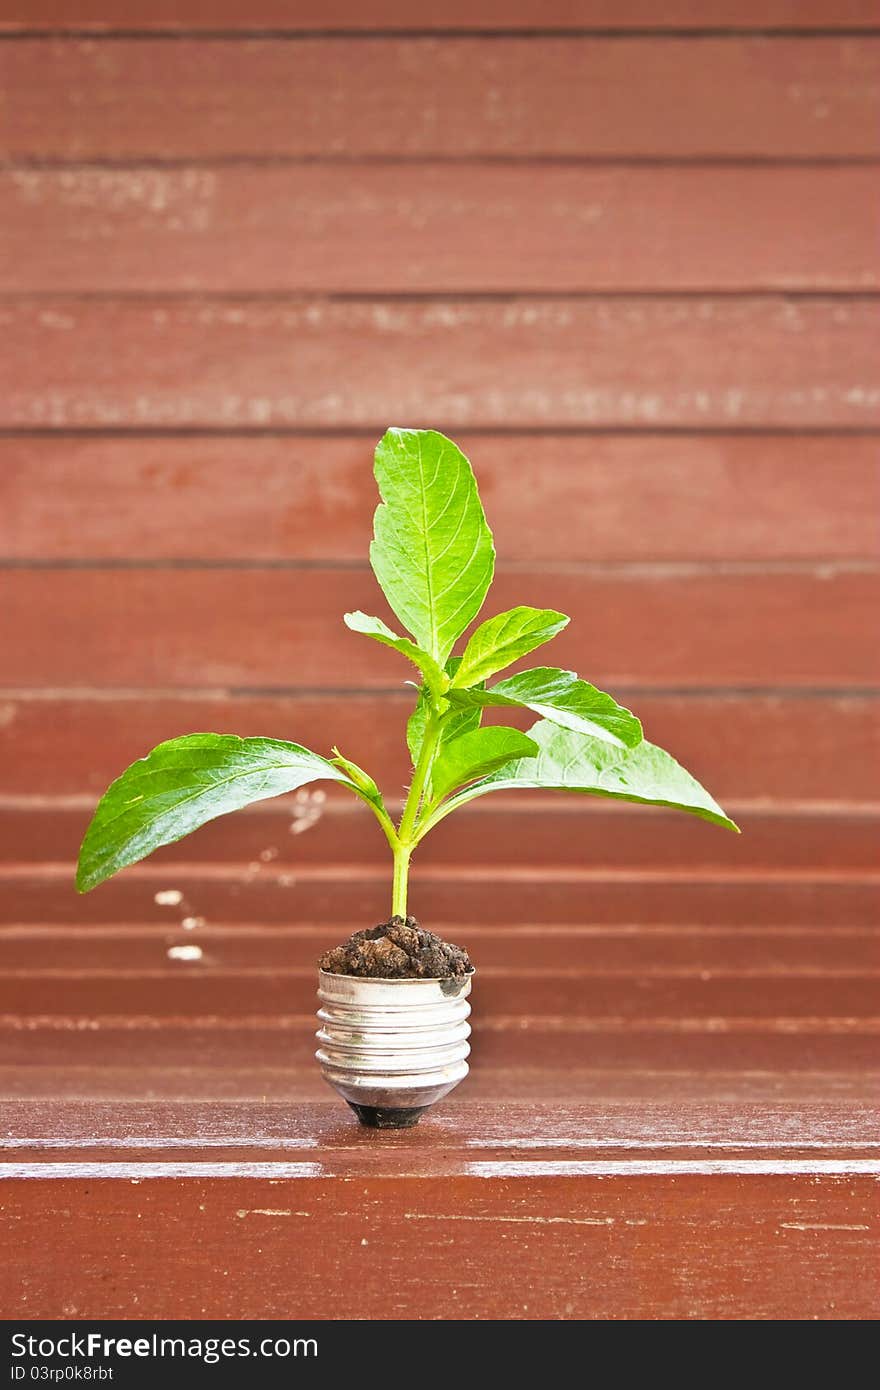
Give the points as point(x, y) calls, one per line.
point(475, 753)
point(560, 696)
point(380, 632)
point(501, 640)
point(432, 551)
point(182, 784)
point(568, 761)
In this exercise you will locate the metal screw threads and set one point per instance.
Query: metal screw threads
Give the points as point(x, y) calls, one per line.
point(393, 1047)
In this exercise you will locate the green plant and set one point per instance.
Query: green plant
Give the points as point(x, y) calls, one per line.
point(433, 556)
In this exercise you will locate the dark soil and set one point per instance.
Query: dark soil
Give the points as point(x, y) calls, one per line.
point(397, 950)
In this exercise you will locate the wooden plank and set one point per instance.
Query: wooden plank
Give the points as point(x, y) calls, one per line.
point(554, 497)
point(347, 897)
point(121, 1057)
point(629, 951)
point(670, 1244)
point(745, 747)
point(260, 628)
point(460, 97)
point(846, 1129)
point(631, 995)
point(735, 363)
point(545, 830)
point(87, 1069)
point(532, 229)
point(329, 15)
point(781, 1193)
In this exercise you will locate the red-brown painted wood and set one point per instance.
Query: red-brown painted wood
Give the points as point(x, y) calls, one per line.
point(545, 830)
point(117, 1057)
point(417, 97)
point(758, 952)
point(322, 15)
point(66, 1059)
point(845, 1129)
point(768, 748)
point(263, 628)
point(612, 1211)
point(528, 992)
point(438, 229)
point(442, 229)
point(594, 1247)
point(621, 362)
point(562, 497)
point(347, 897)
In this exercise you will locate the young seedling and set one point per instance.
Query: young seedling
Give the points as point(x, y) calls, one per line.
point(434, 558)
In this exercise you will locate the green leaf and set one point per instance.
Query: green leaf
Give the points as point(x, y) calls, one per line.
point(182, 784)
point(455, 722)
point(499, 641)
point(573, 762)
point(375, 628)
point(563, 698)
point(476, 753)
point(432, 551)
point(361, 779)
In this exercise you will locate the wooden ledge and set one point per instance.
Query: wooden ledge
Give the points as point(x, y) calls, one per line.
point(609, 1210)
point(448, 1138)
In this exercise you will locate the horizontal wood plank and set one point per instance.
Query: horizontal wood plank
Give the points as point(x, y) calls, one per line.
point(736, 1066)
point(347, 897)
point(155, 1128)
point(541, 829)
point(562, 1187)
point(551, 497)
point(440, 230)
point(726, 1247)
point(456, 97)
point(527, 993)
point(265, 628)
point(763, 747)
point(166, 363)
point(632, 952)
point(120, 1058)
point(323, 15)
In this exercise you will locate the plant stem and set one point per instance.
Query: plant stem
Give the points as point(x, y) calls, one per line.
point(401, 879)
point(384, 820)
point(407, 830)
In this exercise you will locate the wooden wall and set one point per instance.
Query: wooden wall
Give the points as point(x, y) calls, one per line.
point(627, 256)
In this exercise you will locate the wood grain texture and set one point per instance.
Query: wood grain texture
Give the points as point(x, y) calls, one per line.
point(514, 98)
point(628, 952)
point(307, 15)
point(346, 897)
point(438, 230)
point(264, 628)
point(845, 1129)
point(554, 1060)
point(606, 1210)
point(622, 997)
point(190, 1064)
point(747, 747)
point(730, 1245)
point(633, 362)
point(548, 497)
point(546, 829)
